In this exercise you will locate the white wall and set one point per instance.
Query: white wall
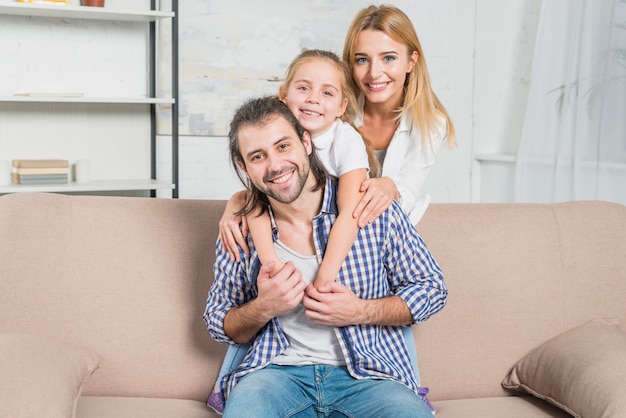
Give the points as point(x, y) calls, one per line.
point(505, 41)
point(479, 55)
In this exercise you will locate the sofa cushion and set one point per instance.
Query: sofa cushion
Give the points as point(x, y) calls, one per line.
point(582, 371)
point(503, 406)
point(42, 376)
point(133, 407)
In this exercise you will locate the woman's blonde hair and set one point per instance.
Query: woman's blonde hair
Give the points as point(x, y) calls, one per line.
point(347, 93)
point(419, 99)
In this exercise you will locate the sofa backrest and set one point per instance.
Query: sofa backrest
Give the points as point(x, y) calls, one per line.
point(127, 277)
point(517, 275)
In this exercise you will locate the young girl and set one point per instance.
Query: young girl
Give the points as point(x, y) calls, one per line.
point(317, 91)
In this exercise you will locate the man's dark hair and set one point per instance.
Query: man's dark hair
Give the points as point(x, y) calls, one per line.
point(258, 112)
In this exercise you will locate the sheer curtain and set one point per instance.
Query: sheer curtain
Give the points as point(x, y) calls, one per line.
point(573, 144)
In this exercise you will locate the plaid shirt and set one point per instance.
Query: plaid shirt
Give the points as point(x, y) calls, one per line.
point(387, 258)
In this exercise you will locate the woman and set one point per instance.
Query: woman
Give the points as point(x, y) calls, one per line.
point(400, 114)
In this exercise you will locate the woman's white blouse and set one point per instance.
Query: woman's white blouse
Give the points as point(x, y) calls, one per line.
point(407, 162)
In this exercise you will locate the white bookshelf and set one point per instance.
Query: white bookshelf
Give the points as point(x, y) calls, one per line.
point(40, 120)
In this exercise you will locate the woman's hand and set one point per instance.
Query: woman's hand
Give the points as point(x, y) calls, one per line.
point(379, 193)
point(234, 228)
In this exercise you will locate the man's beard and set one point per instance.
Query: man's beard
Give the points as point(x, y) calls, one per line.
point(288, 196)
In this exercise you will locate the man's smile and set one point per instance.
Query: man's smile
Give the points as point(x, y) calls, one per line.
point(282, 179)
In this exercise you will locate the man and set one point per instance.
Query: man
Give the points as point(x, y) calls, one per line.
point(333, 351)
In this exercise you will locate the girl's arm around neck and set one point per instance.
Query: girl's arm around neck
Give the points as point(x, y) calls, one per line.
point(344, 230)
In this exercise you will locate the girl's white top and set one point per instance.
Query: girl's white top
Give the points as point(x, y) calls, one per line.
point(341, 149)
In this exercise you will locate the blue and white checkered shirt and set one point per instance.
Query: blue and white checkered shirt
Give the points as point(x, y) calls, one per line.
point(388, 258)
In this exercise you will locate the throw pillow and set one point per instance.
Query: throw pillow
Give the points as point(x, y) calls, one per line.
point(582, 371)
point(42, 376)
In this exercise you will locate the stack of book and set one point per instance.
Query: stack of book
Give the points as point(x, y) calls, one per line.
point(40, 171)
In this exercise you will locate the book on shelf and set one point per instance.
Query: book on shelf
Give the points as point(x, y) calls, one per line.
point(22, 164)
point(40, 170)
point(39, 178)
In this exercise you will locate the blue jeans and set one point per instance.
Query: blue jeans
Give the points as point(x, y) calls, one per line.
point(320, 391)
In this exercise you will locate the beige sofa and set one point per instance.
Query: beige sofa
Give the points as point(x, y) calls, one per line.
point(106, 294)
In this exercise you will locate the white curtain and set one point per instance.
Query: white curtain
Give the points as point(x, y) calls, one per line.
point(573, 144)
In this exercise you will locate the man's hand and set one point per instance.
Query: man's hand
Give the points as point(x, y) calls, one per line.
point(281, 293)
point(277, 296)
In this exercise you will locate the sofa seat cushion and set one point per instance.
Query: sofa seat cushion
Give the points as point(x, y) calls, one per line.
point(122, 407)
point(127, 407)
point(498, 407)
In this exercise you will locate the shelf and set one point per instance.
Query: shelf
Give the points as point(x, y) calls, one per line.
point(496, 158)
point(79, 12)
point(93, 186)
point(82, 99)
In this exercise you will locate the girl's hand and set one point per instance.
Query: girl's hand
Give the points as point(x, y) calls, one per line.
point(234, 228)
point(379, 193)
point(333, 305)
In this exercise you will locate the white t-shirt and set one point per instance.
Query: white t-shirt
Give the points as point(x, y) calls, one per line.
point(309, 343)
point(341, 149)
